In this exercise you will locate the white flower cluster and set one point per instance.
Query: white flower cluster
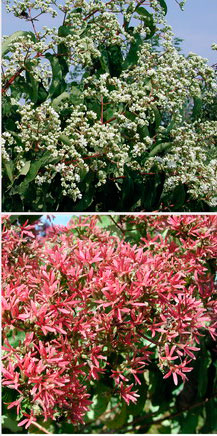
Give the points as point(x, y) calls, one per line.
point(158, 90)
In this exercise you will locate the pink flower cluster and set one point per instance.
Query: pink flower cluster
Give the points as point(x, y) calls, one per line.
point(80, 294)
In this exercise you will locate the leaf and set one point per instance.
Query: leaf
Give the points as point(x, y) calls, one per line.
point(10, 423)
point(148, 20)
point(115, 60)
point(136, 409)
point(133, 54)
point(127, 192)
point(157, 116)
point(31, 84)
point(119, 419)
point(197, 109)
point(65, 140)
point(100, 401)
point(57, 76)
point(86, 187)
point(163, 5)
point(9, 166)
point(42, 93)
point(189, 423)
point(33, 171)
point(47, 425)
point(56, 102)
point(159, 148)
point(6, 46)
point(76, 95)
point(31, 87)
point(62, 49)
point(25, 168)
point(201, 365)
point(152, 189)
point(210, 425)
point(14, 338)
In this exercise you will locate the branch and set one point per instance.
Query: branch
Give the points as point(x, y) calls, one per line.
point(117, 225)
point(44, 430)
point(172, 415)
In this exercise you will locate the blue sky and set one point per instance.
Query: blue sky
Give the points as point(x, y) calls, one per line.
point(62, 219)
point(196, 25)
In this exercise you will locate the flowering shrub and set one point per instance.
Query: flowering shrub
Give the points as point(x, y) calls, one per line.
point(89, 317)
point(104, 113)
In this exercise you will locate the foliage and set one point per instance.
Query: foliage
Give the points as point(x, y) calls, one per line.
point(103, 113)
point(109, 325)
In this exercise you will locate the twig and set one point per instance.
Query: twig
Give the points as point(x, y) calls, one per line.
point(44, 430)
point(120, 228)
point(172, 415)
point(101, 109)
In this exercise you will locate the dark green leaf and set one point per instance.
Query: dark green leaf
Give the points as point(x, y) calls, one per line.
point(33, 171)
point(197, 109)
point(119, 420)
point(148, 20)
point(133, 54)
point(115, 60)
point(163, 5)
point(57, 76)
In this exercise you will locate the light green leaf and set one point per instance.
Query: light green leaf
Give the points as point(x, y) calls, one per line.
point(56, 102)
point(25, 168)
point(159, 148)
point(9, 166)
point(6, 46)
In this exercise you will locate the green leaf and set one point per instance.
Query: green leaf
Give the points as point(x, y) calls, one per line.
point(115, 60)
point(119, 419)
point(33, 171)
point(189, 423)
point(42, 93)
point(65, 140)
point(127, 192)
point(14, 338)
point(6, 46)
point(133, 54)
point(76, 95)
point(56, 102)
point(197, 109)
point(159, 148)
point(152, 189)
point(100, 401)
point(25, 168)
point(62, 49)
point(86, 187)
point(10, 423)
point(136, 409)
point(57, 76)
point(148, 20)
point(9, 166)
point(31, 84)
point(210, 425)
point(163, 5)
point(157, 116)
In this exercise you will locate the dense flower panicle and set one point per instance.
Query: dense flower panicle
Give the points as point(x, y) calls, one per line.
point(78, 295)
point(108, 130)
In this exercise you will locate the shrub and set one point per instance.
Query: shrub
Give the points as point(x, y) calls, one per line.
point(105, 113)
point(92, 321)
